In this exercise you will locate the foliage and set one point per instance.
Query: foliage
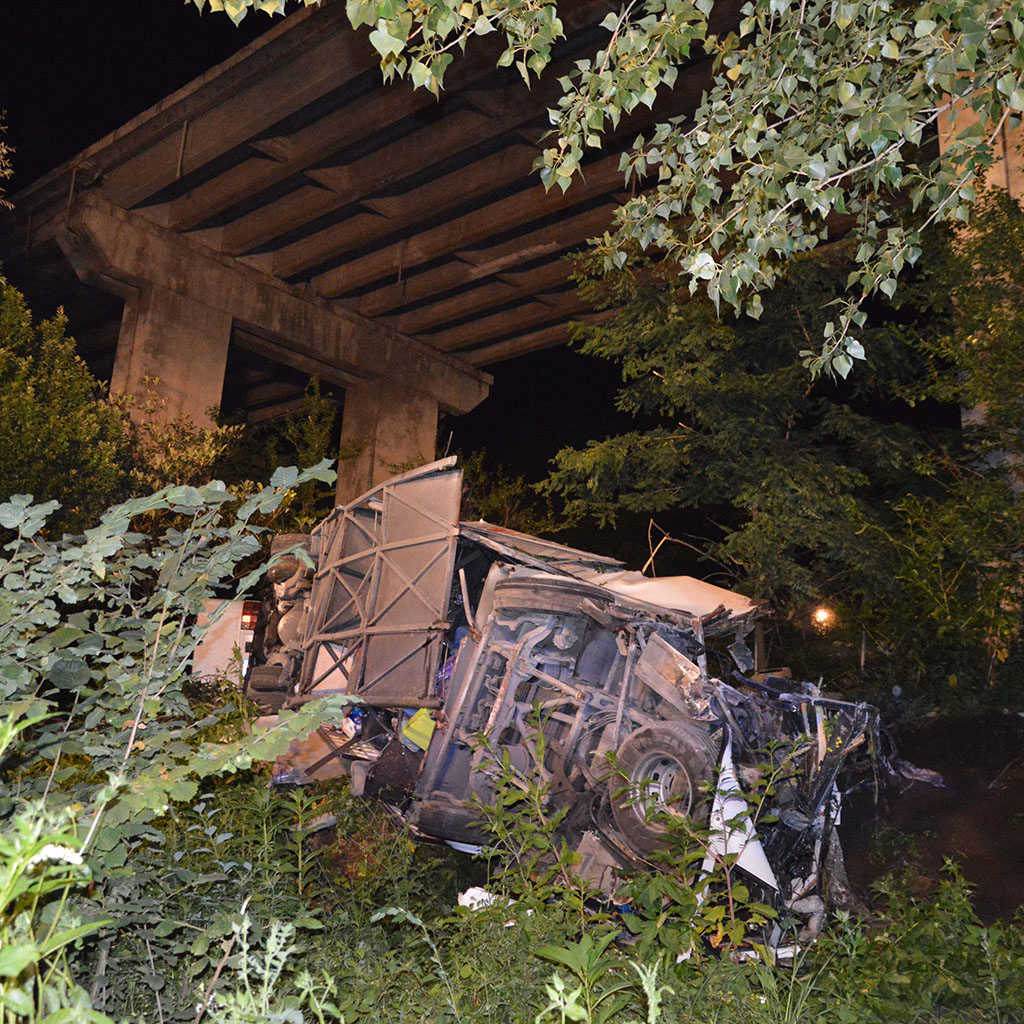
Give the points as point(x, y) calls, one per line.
point(224, 907)
point(984, 273)
point(181, 452)
point(256, 1000)
point(6, 170)
point(489, 493)
point(60, 438)
point(302, 438)
point(816, 112)
point(40, 865)
point(788, 469)
point(957, 554)
point(862, 494)
point(927, 958)
point(142, 855)
point(594, 999)
point(96, 636)
point(954, 560)
point(236, 10)
point(699, 898)
point(920, 960)
point(63, 438)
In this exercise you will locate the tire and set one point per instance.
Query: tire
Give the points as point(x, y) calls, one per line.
point(267, 687)
point(662, 771)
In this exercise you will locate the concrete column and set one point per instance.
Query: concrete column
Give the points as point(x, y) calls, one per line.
point(172, 349)
point(392, 427)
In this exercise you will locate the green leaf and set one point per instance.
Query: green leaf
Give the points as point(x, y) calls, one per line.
point(69, 935)
point(15, 958)
point(18, 1000)
point(842, 364)
point(419, 73)
point(386, 45)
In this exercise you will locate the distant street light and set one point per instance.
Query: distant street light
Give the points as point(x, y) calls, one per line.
point(823, 617)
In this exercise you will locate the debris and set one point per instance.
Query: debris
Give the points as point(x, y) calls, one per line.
point(480, 657)
point(910, 771)
point(477, 898)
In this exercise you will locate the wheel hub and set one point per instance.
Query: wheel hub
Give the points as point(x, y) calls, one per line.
point(662, 785)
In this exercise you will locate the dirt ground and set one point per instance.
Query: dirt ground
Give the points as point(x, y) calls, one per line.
point(977, 818)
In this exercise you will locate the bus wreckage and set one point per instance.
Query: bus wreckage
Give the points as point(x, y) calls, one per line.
point(476, 654)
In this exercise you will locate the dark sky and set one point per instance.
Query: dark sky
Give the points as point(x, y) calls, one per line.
point(73, 70)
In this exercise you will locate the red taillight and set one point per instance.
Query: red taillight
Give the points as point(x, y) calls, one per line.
point(250, 613)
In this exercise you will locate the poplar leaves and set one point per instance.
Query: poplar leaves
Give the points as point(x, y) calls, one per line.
point(818, 118)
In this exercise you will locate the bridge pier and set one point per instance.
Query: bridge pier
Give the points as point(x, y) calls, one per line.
point(389, 427)
point(183, 305)
point(172, 350)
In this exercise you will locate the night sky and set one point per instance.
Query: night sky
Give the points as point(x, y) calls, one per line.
point(73, 70)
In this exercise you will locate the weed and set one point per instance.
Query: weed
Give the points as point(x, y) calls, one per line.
point(589, 961)
point(41, 866)
point(260, 995)
point(402, 916)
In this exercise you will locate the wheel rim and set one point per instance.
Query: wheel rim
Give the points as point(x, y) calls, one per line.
point(662, 786)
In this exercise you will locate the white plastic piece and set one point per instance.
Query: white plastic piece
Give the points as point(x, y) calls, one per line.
point(732, 828)
point(472, 848)
point(476, 898)
point(681, 593)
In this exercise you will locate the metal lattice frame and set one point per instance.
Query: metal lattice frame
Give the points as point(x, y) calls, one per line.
point(378, 607)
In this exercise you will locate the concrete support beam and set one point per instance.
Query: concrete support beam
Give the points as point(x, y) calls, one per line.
point(130, 256)
point(472, 265)
point(181, 343)
point(391, 427)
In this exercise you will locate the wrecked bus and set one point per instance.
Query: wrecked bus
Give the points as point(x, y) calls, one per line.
point(477, 652)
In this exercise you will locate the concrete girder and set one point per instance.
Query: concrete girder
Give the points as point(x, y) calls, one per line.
point(536, 312)
point(233, 102)
point(531, 341)
point(473, 301)
point(139, 260)
point(530, 204)
point(301, 150)
point(336, 188)
point(471, 265)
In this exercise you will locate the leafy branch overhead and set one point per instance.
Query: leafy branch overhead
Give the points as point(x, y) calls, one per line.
point(818, 117)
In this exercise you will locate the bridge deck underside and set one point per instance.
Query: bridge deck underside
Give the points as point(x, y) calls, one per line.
point(423, 215)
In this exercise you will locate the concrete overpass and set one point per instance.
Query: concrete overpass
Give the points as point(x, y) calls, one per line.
point(288, 214)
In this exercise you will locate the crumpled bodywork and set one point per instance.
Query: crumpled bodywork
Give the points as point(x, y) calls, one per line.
point(480, 655)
